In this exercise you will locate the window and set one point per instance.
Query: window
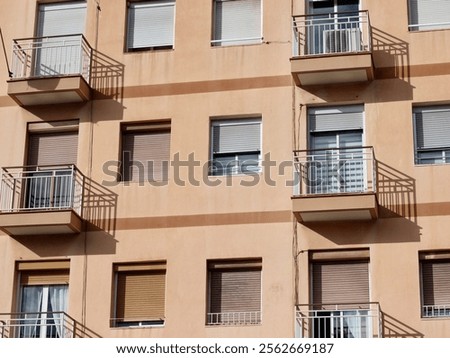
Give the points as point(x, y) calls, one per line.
point(139, 294)
point(234, 292)
point(237, 22)
point(145, 152)
point(50, 182)
point(43, 299)
point(336, 157)
point(340, 295)
point(435, 273)
point(432, 134)
point(235, 146)
point(150, 25)
point(429, 14)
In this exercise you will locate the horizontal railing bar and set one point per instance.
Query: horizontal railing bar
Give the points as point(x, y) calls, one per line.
point(50, 37)
point(334, 148)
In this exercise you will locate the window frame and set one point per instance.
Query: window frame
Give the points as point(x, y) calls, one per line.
point(432, 258)
point(162, 126)
point(426, 27)
point(219, 42)
point(236, 169)
point(140, 267)
point(444, 157)
point(234, 265)
point(130, 49)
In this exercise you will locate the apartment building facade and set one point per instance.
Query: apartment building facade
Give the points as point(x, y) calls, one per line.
point(225, 168)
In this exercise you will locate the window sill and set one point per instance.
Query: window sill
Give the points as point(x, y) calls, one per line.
point(225, 45)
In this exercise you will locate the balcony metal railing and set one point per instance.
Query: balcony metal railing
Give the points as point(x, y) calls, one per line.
point(334, 171)
point(349, 320)
point(234, 318)
point(37, 325)
point(334, 33)
point(25, 189)
point(41, 57)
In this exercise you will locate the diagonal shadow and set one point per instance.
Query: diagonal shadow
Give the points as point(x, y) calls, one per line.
point(393, 328)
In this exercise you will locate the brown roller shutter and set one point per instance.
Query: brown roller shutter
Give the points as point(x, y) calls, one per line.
point(44, 272)
point(144, 152)
point(340, 282)
point(436, 283)
point(52, 148)
point(235, 291)
point(140, 295)
point(44, 277)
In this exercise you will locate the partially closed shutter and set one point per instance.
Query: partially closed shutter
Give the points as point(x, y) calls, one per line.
point(59, 19)
point(336, 119)
point(429, 14)
point(432, 127)
point(237, 22)
point(146, 155)
point(436, 283)
point(44, 272)
point(150, 24)
point(340, 282)
point(229, 137)
point(235, 291)
point(52, 148)
point(140, 295)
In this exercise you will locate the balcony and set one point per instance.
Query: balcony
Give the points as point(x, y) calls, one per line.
point(335, 184)
point(332, 48)
point(37, 325)
point(50, 70)
point(349, 320)
point(42, 200)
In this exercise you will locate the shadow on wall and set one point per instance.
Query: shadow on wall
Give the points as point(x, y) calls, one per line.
point(390, 56)
point(396, 193)
point(393, 328)
point(107, 77)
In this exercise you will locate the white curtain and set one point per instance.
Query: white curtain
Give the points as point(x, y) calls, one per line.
point(58, 303)
point(31, 308)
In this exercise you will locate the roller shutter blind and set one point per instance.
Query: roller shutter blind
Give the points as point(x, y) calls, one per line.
point(52, 148)
point(237, 22)
point(146, 155)
point(336, 119)
point(436, 283)
point(340, 282)
point(59, 19)
point(235, 293)
point(229, 137)
point(429, 14)
point(140, 294)
point(432, 125)
point(150, 24)
point(44, 273)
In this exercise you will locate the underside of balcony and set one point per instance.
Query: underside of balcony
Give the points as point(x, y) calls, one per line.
point(342, 207)
point(332, 69)
point(51, 90)
point(40, 223)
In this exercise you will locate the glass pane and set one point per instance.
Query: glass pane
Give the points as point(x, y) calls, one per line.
point(433, 157)
point(224, 165)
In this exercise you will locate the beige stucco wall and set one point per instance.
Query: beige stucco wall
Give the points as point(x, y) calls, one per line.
point(188, 225)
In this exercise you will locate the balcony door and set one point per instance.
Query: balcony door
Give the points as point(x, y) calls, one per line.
point(336, 162)
point(340, 296)
point(57, 51)
point(333, 26)
point(43, 300)
point(49, 180)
